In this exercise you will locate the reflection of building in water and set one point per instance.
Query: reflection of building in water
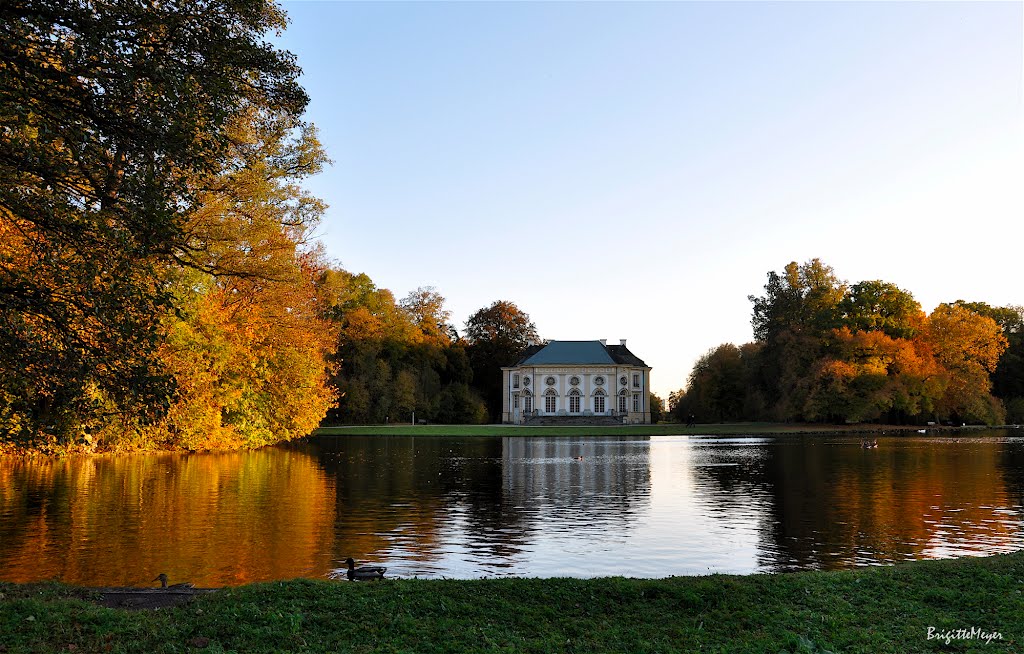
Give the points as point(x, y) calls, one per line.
point(472, 506)
point(574, 479)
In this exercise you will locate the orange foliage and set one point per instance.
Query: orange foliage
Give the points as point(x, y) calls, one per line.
point(968, 345)
point(870, 373)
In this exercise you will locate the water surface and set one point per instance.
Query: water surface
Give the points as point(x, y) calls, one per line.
point(476, 507)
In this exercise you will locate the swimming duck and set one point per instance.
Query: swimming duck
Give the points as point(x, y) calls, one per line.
point(364, 572)
point(869, 445)
point(162, 578)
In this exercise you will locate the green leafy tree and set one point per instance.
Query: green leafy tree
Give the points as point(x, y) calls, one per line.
point(657, 409)
point(805, 298)
point(719, 386)
point(799, 308)
point(496, 336)
point(881, 306)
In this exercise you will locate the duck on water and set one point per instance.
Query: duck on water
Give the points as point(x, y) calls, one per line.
point(362, 573)
point(162, 578)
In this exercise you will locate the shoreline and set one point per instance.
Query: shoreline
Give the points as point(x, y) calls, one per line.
point(9, 450)
point(878, 609)
point(661, 429)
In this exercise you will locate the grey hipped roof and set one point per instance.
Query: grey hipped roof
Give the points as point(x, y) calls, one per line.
point(578, 353)
point(624, 356)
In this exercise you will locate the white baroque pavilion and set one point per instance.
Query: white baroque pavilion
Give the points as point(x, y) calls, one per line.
point(577, 382)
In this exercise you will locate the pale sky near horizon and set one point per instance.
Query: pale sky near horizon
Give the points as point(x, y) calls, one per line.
point(634, 170)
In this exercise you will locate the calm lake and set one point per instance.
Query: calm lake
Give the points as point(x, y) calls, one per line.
point(483, 507)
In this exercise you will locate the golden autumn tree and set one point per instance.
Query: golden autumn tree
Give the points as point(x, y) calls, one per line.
point(968, 345)
point(249, 345)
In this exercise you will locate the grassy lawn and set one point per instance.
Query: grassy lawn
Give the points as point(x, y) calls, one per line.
point(732, 429)
point(869, 611)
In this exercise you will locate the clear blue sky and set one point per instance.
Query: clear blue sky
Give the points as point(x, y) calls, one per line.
point(634, 170)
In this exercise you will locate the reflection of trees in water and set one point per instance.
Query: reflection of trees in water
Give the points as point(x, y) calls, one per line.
point(1011, 463)
point(835, 504)
point(213, 519)
point(411, 493)
point(731, 478)
point(33, 494)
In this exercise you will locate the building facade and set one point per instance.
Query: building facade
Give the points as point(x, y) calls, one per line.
point(576, 381)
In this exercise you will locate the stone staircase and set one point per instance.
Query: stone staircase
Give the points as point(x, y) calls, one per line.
point(570, 421)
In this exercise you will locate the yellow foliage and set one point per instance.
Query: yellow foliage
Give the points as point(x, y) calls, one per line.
point(968, 345)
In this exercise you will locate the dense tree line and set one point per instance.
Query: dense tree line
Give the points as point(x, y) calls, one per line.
point(405, 358)
point(827, 351)
point(397, 360)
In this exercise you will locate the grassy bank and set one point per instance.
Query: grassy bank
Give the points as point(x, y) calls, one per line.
point(718, 429)
point(870, 611)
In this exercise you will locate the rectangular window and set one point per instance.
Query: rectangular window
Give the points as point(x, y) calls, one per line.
point(636, 381)
point(549, 403)
point(574, 404)
point(599, 404)
point(636, 401)
point(515, 381)
point(515, 401)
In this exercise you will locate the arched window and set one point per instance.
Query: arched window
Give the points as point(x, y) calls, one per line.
point(599, 401)
point(574, 400)
point(622, 401)
point(527, 401)
point(550, 401)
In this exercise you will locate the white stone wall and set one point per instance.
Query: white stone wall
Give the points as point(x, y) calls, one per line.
point(637, 382)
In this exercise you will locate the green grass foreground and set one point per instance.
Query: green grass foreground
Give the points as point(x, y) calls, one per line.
point(663, 429)
point(871, 611)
